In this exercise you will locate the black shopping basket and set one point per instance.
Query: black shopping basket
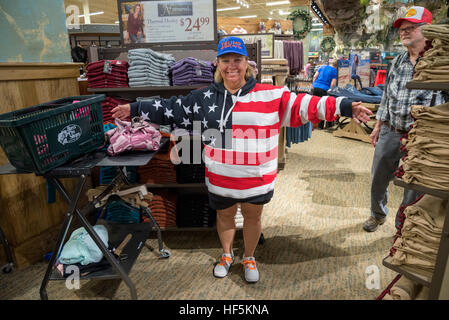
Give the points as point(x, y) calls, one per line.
point(40, 138)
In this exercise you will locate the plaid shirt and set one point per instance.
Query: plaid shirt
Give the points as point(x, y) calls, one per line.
point(397, 99)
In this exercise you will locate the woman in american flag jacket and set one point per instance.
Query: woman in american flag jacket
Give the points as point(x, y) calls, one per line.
point(240, 121)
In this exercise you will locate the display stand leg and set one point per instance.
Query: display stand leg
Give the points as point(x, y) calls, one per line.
point(62, 234)
point(10, 264)
point(74, 211)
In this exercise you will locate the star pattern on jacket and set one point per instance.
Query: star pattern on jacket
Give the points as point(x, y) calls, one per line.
point(157, 104)
point(145, 116)
point(212, 140)
point(196, 108)
point(186, 122)
point(187, 109)
point(212, 108)
point(222, 123)
point(207, 94)
point(168, 113)
point(205, 123)
point(178, 101)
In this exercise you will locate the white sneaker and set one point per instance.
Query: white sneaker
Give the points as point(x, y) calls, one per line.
point(251, 272)
point(222, 268)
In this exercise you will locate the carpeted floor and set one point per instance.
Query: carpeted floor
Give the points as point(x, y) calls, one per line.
point(315, 247)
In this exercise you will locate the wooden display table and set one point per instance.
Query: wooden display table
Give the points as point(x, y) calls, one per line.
point(354, 130)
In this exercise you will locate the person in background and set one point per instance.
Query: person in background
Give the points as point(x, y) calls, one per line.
point(240, 120)
point(306, 68)
point(354, 75)
point(324, 79)
point(134, 30)
point(393, 116)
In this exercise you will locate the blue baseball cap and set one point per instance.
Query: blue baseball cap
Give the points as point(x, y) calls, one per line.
point(231, 45)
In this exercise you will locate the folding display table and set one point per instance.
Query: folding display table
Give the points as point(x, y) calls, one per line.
point(81, 168)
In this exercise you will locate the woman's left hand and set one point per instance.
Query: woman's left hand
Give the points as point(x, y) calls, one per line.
point(360, 113)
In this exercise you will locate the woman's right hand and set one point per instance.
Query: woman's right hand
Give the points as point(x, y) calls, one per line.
point(122, 111)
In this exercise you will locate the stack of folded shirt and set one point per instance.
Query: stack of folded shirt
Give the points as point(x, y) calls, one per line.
point(107, 74)
point(418, 241)
point(427, 146)
point(434, 65)
point(191, 173)
point(350, 92)
point(191, 71)
point(157, 172)
point(194, 212)
point(163, 209)
point(108, 104)
point(148, 68)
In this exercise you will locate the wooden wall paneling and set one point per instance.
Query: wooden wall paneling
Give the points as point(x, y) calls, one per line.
point(251, 25)
point(25, 217)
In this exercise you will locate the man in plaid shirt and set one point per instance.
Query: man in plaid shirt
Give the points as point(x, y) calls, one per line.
point(393, 116)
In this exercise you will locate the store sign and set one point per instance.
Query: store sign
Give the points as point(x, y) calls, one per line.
point(167, 22)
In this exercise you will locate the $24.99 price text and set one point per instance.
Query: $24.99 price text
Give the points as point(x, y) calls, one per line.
point(193, 24)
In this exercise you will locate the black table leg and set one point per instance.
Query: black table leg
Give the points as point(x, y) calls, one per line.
point(9, 266)
point(62, 233)
point(108, 255)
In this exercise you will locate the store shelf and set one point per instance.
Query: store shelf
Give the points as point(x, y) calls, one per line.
point(189, 229)
point(424, 279)
point(434, 192)
point(144, 89)
point(117, 232)
point(443, 86)
point(176, 185)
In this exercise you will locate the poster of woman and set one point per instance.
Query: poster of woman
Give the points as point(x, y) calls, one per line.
point(133, 16)
point(354, 65)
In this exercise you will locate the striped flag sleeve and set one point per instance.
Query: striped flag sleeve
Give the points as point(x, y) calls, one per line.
point(297, 110)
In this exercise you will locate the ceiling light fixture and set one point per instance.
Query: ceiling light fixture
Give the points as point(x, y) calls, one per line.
point(276, 3)
point(91, 14)
point(284, 13)
point(227, 9)
point(318, 12)
point(244, 17)
point(243, 3)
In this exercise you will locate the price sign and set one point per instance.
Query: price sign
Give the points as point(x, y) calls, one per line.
point(194, 25)
point(171, 21)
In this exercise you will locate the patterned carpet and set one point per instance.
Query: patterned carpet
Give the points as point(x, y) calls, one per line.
point(315, 247)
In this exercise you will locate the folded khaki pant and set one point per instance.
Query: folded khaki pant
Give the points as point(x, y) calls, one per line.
point(424, 218)
point(430, 113)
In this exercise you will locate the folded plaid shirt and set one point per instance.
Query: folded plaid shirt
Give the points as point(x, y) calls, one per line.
point(397, 99)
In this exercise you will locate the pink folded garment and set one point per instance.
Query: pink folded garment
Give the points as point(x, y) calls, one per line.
point(137, 136)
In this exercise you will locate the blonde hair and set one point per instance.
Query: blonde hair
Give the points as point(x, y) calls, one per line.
point(248, 74)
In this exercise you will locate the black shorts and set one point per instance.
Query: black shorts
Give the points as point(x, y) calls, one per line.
point(217, 202)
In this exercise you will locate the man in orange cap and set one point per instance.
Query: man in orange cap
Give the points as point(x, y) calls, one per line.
point(393, 116)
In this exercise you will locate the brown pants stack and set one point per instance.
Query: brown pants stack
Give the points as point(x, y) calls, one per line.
point(418, 244)
point(434, 65)
point(427, 145)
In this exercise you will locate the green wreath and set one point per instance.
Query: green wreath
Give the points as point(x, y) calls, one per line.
point(327, 44)
point(301, 16)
